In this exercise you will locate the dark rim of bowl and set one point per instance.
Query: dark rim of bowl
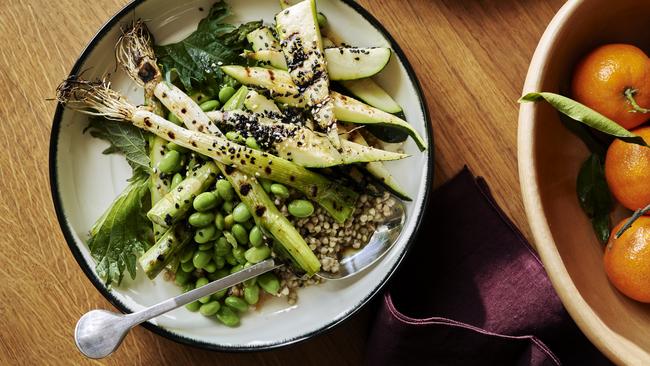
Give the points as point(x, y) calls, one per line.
point(69, 237)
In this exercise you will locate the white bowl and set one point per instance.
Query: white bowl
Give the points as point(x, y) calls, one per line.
point(549, 160)
point(84, 182)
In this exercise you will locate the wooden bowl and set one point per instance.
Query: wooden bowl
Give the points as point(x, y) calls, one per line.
point(549, 159)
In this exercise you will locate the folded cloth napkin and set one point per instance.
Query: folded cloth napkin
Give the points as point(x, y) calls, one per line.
point(473, 292)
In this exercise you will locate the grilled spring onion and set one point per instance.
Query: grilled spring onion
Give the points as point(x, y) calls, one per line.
point(168, 246)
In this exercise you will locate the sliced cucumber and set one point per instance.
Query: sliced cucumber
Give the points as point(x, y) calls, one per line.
point(301, 43)
point(257, 103)
point(370, 92)
point(351, 110)
point(356, 63)
point(263, 39)
point(278, 82)
point(379, 171)
point(342, 63)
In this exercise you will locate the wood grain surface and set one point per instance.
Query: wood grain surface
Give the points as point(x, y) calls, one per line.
point(470, 56)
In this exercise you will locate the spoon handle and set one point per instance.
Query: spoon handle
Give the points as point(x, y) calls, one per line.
point(214, 286)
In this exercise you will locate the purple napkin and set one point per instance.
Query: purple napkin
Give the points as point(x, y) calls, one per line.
point(473, 292)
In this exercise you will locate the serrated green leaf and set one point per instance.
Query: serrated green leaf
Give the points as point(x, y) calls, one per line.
point(584, 114)
point(123, 138)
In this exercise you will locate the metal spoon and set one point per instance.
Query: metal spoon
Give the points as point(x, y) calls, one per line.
point(100, 332)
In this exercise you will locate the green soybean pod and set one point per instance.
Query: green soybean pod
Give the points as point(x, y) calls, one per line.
point(182, 277)
point(193, 306)
point(209, 105)
point(279, 190)
point(187, 266)
point(201, 259)
point(236, 268)
point(219, 221)
point(240, 233)
point(255, 236)
point(252, 143)
point(176, 180)
point(205, 234)
point(227, 316)
point(210, 267)
point(240, 254)
point(252, 294)
point(170, 163)
point(201, 219)
point(205, 201)
point(225, 190)
point(236, 303)
point(222, 247)
point(269, 283)
point(210, 308)
point(300, 208)
point(240, 213)
point(187, 254)
point(176, 147)
point(171, 117)
point(226, 93)
point(257, 254)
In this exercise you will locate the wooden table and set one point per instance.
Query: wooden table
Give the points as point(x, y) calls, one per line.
point(471, 57)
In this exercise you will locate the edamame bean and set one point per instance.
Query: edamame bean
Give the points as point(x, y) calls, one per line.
point(193, 306)
point(252, 143)
point(176, 147)
point(240, 233)
point(252, 294)
point(266, 184)
point(279, 190)
point(236, 303)
point(210, 267)
point(221, 273)
point(225, 190)
point(230, 238)
point(240, 254)
point(209, 105)
point(228, 207)
point(187, 266)
point(199, 97)
point(182, 277)
point(231, 259)
point(201, 219)
point(171, 117)
point(250, 281)
point(227, 316)
point(222, 247)
point(220, 294)
point(219, 262)
point(228, 221)
point(187, 255)
point(205, 201)
point(201, 259)
point(188, 287)
point(234, 136)
point(176, 180)
point(200, 283)
point(236, 268)
point(300, 208)
point(240, 213)
point(226, 93)
point(248, 225)
point(257, 254)
point(205, 234)
point(219, 221)
point(206, 246)
point(210, 308)
point(170, 163)
point(255, 236)
point(269, 283)
point(321, 19)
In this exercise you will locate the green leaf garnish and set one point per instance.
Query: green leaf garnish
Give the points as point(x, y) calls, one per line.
point(123, 138)
point(584, 114)
point(196, 59)
point(118, 238)
point(594, 196)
